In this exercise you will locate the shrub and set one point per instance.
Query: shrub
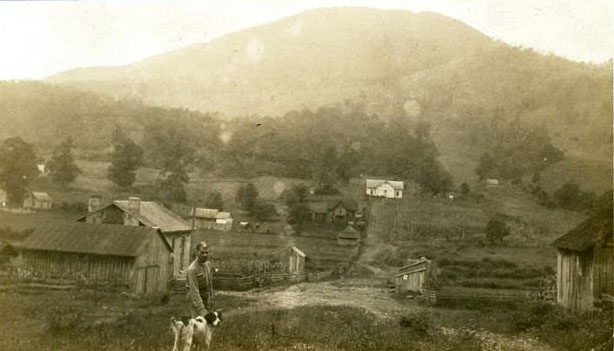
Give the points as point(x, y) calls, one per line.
point(496, 230)
point(419, 324)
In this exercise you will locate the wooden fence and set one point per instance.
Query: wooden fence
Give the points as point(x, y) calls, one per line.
point(486, 296)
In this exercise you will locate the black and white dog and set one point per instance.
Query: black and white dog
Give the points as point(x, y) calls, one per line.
point(195, 333)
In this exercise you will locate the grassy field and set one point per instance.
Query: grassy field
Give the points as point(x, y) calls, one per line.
point(77, 320)
point(321, 253)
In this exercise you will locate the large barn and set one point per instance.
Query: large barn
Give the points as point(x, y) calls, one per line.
point(136, 258)
point(134, 212)
point(585, 267)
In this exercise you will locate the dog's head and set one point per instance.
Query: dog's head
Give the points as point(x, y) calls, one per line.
point(214, 318)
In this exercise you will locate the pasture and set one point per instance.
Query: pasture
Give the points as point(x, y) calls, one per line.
point(348, 315)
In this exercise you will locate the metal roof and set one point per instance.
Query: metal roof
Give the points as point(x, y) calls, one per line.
point(152, 214)
point(100, 239)
point(209, 213)
point(223, 215)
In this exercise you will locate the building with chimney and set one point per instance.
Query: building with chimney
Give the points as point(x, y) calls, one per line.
point(134, 212)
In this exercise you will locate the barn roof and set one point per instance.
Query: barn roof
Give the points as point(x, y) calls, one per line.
point(99, 239)
point(349, 233)
point(205, 213)
point(374, 183)
point(298, 251)
point(349, 204)
point(41, 196)
point(151, 214)
point(223, 215)
point(594, 230)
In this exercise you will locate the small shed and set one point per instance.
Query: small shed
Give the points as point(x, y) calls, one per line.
point(414, 276)
point(3, 198)
point(348, 237)
point(223, 221)
point(296, 263)
point(37, 200)
point(492, 183)
point(585, 264)
point(138, 258)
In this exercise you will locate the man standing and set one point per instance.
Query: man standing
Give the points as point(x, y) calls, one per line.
point(199, 282)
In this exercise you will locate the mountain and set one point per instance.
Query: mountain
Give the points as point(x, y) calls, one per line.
point(423, 66)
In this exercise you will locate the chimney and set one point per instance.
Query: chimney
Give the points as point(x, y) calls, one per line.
point(94, 203)
point(134, 204)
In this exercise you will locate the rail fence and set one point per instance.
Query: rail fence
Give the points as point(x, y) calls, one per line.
point(490, 296)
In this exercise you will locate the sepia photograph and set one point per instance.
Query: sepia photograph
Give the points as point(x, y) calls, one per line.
point(306, 175)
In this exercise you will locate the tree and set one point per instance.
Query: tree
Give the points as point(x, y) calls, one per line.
point(263, 211)
point(62, 167)
point(496, 230)
point(464, 189)
point(214, 200)
point(171, 185)
point(17, 168)
point(487, 166)
point(298, 213)
point(247, 196)
point(568, 196)
point(126, 158)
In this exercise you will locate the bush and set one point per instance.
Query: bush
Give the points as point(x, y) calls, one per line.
point(496, 230)
point(418, 324)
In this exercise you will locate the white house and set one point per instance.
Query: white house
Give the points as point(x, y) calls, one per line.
point(385, 188)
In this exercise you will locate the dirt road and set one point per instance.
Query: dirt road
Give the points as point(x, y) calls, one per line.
point(372, 297)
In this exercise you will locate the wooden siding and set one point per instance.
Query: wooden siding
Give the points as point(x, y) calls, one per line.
point(412, 278)
point(152, 268)
point(181, 244)
point(575, 280)
point(296, 264)
point(85, 268)
point(603, 270)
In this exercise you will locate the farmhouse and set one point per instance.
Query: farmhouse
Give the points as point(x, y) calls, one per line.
point(414, 276)
point(206, 218)
point(384, 188)
point(335, 211)
point(585, 264)
point(134, 212)
point(37, 200)
point(348, 237)
point(137, 258)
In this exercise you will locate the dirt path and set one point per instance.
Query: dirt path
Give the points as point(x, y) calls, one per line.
point(372, 297)
point(353, 293)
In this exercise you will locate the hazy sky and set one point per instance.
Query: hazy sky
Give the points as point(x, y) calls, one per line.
point(39, 38)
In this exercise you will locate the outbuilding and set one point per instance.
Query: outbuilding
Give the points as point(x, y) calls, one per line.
point(585, 264)
point(134, 258)
point(348, 237)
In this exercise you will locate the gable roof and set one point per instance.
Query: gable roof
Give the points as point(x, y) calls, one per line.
point(349, 233)
point(151, 214)
point(318, 207)
point(592, 231)
point(374, 183)
point(223, 215)
point(205, 213)
point(349, 204)
point(99, 239)
point(41, 196)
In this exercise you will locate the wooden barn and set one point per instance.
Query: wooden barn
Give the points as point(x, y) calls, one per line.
point(414, 276)
point(134, 212)
point(348, 237)
point(207, 218)
point(585, 264)
point(37, 200)
point(340, 211)
point(137, 258)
